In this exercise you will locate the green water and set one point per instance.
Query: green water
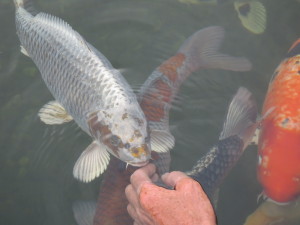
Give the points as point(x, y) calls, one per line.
point(36, 161)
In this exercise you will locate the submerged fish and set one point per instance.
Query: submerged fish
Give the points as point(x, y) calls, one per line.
point(279, 141)
point(252, 13)
point(238, 130)
point(199, 51)
point(156, 96)
point(270, 213)
point(87, 89)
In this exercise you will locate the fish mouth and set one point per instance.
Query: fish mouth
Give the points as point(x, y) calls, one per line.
point(138, 164)
point(278, 203)
point(265, 197)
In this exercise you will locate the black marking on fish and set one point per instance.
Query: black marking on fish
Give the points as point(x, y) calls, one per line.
point(244, 9)
point(211, 169)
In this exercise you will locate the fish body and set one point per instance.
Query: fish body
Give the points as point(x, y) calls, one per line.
point(87, 89)
point(252, 13)
point(238, 130)
point(112, 203)
point(199, 51)
point(279, 141)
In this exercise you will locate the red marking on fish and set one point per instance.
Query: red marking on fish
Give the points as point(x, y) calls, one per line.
point(153, 103)
point(162, 90)
point(279, 142)
point(169, 68)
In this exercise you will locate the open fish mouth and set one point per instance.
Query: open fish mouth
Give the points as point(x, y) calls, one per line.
point(138, 164)
point(279, 203)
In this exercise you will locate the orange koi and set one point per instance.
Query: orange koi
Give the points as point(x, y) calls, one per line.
point(279, 141)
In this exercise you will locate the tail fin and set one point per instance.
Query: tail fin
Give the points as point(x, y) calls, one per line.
point(27, 5)
point(241, 117)
point(201, 50)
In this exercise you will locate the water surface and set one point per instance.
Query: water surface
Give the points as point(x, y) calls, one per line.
point(36, 161)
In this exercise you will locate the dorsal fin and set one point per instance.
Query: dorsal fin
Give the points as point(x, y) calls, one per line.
point(294, 50)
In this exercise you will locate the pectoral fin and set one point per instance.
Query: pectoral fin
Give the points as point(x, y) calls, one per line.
point(54, 113)
point(91, 163)
point(84, 212)
point(161, 141)
point(23, 50)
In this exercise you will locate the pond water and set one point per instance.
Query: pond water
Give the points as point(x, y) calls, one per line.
point(36, 160)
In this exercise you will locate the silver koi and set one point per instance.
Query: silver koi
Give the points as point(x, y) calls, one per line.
point(87, 89)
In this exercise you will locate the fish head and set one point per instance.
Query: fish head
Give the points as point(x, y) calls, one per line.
point(124, 134)
point(278, 163)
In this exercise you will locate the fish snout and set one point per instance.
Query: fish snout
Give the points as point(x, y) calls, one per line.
point(140, 155)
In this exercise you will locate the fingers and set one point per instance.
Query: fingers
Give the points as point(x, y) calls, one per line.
point(139, 216)
point(172, 178)
point(132, 196)
point(143, 175)
point(131, 212)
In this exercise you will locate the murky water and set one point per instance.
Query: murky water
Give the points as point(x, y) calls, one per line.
point(36, 161)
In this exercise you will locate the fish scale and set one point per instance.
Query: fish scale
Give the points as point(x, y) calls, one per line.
point(211, 169)
point(68, 77)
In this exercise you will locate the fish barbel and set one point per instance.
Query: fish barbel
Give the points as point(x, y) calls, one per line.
point(87, 89)
point(279, 141)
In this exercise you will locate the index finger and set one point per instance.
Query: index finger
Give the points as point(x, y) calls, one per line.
point(141, 176)
point(173, 178)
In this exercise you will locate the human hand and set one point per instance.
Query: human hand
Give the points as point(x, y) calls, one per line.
point(150, 204)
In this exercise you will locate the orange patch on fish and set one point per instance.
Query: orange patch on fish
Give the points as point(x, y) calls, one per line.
point(284, 95)
point(154, 103)
point(169, 68)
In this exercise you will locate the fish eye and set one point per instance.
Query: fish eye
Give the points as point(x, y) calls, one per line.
point(127, 146)
point(115, 140)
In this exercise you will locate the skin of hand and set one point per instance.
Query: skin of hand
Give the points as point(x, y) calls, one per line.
point(149, 204)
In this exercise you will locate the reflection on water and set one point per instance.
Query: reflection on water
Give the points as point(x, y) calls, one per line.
point(36, 160)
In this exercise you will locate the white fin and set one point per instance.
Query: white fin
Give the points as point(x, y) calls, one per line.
point(161, 141)
point(91, 163)
point(84, 212)
point(54, 113)
point(252, 14)
point(201, 50)
point(27, 5)
point(255, 138)
point(241, 116)
point(23, 50)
